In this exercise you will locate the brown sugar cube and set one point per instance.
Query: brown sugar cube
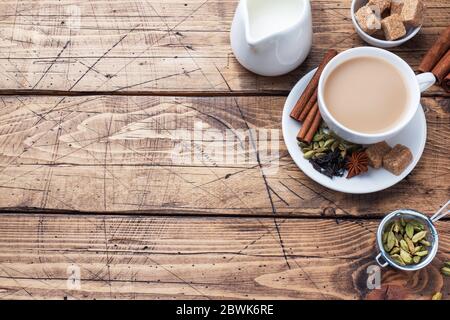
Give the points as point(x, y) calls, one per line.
point(367, 20)
point(393, 27)
point(396, 160)
point(396, 7)
point(412, 12)
point(382, 4)
point(376, 152)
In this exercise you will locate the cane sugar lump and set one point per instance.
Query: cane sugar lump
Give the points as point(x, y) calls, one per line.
point(396, 160)
point(396, 7)
point(376, 152)
point(383, 5)
point(412, 12)
point(368, 21)
point(393, 27)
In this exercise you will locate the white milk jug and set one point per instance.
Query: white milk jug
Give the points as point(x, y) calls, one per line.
point(272, 37)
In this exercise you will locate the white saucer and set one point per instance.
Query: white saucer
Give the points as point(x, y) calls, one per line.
point(414, 136)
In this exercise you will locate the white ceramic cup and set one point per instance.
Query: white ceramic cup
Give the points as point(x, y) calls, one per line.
point(414, 85)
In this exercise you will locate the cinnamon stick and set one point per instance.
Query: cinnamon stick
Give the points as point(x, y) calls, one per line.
point(314, 127)
point(436, 52)
point(312, 85)
point(446, 83)
point(442, 68)
point(307, 124)
point(308, 106)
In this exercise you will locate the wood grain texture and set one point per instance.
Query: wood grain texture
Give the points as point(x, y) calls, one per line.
point(154, 45)
point(165, 155)
point(138, 192)
point(201, 258)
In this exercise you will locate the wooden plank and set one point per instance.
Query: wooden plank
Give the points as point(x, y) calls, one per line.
point(200, 258)
point(166, 155)
point(154, 45)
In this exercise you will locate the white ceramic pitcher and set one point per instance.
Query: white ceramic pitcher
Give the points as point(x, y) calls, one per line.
point(272, 37)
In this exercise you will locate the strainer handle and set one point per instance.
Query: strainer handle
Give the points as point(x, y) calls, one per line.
point(441, 212)
point(378, 257)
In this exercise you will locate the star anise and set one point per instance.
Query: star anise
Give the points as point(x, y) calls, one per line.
point(357, 163)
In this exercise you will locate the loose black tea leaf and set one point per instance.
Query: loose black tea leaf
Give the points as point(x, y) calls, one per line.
point(331, 164)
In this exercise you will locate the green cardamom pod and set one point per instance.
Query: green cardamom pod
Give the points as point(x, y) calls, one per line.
point(309, 154)
point(335, 145)
point(421, 253)
point(398, 259)
point(303, 145)
point(417, 225)
point(394, 250)
point(409, 230)
point(402, 221)
point(396, 228)
point(419, 236)
point(317, 137)
point(405, 256)
point(410, 244)
point(328, 143)
point(384, 237)
point(437, 296)
point(404, 245)
point(391, 240)
point(416, 259)
point(319, 154)
point(425, 243)
point(445, 271)
point(319, 150)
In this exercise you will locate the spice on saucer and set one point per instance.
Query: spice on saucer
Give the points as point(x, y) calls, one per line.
point(310, 125)
point(306, 109)
point(405, 241)
point(331, 164)
point(396, 160)
point(328, 153)
point(357, 164)
point(376, 152)
point(308, 93)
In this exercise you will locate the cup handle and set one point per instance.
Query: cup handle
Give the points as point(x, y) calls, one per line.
point(425, 80)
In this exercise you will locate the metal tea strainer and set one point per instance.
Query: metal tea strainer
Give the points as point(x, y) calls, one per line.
point(432, 236)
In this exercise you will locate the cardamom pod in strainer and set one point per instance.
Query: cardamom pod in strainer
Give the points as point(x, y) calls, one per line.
point(405, 241)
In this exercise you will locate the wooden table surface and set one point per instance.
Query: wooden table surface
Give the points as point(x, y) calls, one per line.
point(96, 96)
